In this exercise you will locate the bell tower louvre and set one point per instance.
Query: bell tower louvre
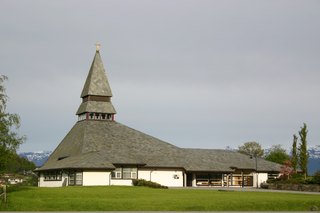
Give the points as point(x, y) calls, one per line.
point(96, 94)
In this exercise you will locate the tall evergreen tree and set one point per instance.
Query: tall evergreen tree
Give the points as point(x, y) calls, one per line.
point(303, 153)
point(294, 153)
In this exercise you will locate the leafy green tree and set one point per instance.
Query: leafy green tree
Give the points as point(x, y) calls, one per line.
point(251, 148)
point(9, 139)
point(303, 154)
point(277, 154)
point(294, 153)
point(316, 177)
point(16, 164)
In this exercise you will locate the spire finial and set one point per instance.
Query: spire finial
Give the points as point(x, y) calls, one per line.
point(97, 46)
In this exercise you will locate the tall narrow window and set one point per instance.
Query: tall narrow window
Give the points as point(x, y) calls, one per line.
point(71, 178)
point(97, 116)
point(78, 177)
point(103, 116)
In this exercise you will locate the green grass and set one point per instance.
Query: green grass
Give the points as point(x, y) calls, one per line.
point(126, 198)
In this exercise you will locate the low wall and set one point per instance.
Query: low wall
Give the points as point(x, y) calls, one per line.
point(293, 187)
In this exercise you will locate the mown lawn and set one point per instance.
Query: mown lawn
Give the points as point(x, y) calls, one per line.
point(126, 198)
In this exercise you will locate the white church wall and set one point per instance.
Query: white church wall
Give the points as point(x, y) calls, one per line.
point(121, 182)
point(96, 178)
point(53, 183)
point(144, 174)
point(262, 178)
point(166, 177)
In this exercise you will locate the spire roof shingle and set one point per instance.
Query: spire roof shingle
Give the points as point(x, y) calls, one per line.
point(97, 82)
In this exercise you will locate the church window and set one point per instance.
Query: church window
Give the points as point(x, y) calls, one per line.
point(82, 117)
point(53, 175)
point(124, 172)
point(91, 115)
point(78, 178)
point(103, 116)
point(97, 116)
point(116, 173)
point(130, 172)
point(109, 116)
point(71, 178)
point(75, 177)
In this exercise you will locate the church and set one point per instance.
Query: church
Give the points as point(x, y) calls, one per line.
point(99, 151)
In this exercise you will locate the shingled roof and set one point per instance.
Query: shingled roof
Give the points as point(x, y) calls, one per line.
point(93, 144)
point(97, 81)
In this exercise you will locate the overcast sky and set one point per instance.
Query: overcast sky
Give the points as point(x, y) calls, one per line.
point(196, 74)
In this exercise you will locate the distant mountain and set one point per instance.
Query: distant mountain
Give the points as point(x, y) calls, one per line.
point(38, 157)
point(314, 156)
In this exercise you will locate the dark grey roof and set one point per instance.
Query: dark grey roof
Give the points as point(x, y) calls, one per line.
point(94, 144)
point(96, 106)
point(97, 81)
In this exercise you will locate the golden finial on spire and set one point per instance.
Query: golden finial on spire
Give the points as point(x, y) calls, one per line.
point(97, 46)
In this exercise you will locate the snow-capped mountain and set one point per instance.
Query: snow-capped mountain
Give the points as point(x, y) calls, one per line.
point(314, 156)
point(38, 157)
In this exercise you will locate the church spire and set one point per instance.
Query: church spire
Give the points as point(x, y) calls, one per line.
point(96, 94)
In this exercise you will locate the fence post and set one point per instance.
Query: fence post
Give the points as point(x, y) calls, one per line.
point(5, 192)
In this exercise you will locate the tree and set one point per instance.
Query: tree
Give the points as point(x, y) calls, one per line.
point(286, 170)
point(9, 139)
point(303, 154)
point(277, 154)
point(16, 164)
point(294, 153)
point(251, 148)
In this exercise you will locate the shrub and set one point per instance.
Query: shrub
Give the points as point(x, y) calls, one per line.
point(293, 181)
point(142, 182)
point(273, 180)
point(296, 176)
point(316, 177)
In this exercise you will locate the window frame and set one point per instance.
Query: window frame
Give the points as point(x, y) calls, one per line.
point(52, 176)
point(119, 173)
point(74, 174)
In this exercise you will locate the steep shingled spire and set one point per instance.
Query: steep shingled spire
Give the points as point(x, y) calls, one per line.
point(96, 94)
point(97, 81)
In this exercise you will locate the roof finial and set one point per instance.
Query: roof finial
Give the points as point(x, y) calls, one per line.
point(97, 46)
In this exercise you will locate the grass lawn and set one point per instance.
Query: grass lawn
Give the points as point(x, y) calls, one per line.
point(126, 198)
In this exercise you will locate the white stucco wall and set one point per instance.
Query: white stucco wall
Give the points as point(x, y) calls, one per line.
point(162, 176)
point(262, 178)
point(121, 182)
point(96, 178)
point(55, 183)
